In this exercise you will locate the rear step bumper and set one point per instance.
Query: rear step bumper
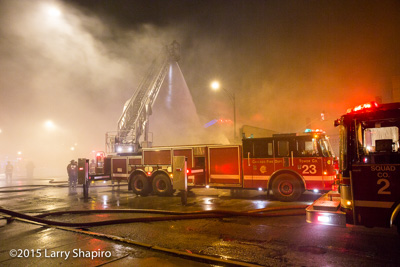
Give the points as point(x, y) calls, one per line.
point(326, 210)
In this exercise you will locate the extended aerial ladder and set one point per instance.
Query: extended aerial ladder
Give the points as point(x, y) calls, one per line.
point(134, 121)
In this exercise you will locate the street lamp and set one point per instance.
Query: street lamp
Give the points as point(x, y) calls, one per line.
point(215, 85)
point(49, 125)
point(53, 11)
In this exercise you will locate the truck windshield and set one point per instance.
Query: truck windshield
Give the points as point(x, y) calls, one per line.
point(377, 142)
point(326, 148)
point(383, 139)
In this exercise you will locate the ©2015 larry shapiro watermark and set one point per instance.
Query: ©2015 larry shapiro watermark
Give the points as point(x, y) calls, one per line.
point(65, 254)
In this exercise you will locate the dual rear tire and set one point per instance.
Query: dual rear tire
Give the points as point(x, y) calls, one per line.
point(161, 185)
point(140, 185)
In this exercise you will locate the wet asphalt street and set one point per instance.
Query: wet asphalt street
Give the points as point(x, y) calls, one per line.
point(245, 241)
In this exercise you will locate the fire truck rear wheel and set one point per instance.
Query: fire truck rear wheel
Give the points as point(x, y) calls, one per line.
point(162, 185)
point(286, 188)
point(140, 185)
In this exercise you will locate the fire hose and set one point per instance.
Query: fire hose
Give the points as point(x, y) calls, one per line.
point(170, 215)
point(23, 188)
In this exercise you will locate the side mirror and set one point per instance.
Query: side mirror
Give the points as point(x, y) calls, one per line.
point(336, 122)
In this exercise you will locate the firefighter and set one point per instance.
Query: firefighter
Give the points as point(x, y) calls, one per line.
point(72, 170)
point(9, 171)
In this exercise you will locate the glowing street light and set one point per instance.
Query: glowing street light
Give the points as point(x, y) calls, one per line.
point(52, 11)
point(49, 125)
point(215, 85)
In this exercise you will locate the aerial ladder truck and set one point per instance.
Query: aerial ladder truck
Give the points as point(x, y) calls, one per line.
point(134, 121)
point(287, 164)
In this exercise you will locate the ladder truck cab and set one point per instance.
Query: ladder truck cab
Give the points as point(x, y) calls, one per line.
point(369, 163)
point(289, 164)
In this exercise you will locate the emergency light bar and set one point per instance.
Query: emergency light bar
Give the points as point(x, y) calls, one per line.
point(363, 107)
point(314, 131)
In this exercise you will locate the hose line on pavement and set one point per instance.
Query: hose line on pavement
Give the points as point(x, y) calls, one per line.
point(168, 215)
point(24, 188)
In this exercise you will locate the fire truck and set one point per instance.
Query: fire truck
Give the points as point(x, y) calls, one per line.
point(369, 162)
point(286, 164)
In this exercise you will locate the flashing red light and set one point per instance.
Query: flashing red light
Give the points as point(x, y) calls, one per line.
point(148, 173)
point(98, 154)
point(81, 168)
point(363, 107)
point(188, 171)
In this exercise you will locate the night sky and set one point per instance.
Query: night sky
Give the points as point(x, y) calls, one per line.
point(77, 62)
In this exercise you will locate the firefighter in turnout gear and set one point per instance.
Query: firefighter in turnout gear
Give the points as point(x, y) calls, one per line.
point(72, 170)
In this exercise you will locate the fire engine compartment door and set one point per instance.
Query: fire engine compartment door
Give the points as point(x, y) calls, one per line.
point(376, 188)
point(179, 180)
point(258, 162)
point(119, 167)
point(224, 166)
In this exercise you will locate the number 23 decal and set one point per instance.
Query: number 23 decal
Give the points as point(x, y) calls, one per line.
point(309, 169)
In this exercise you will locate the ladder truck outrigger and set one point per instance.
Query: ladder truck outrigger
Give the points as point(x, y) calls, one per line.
point(369, 170)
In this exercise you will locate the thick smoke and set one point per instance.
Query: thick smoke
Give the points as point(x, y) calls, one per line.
point(285, 61)
point(62, 65)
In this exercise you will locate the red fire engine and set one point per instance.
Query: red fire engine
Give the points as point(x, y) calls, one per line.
point(369, 190)
point(287, 164)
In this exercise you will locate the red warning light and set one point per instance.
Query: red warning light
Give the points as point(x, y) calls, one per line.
point(363, 107)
